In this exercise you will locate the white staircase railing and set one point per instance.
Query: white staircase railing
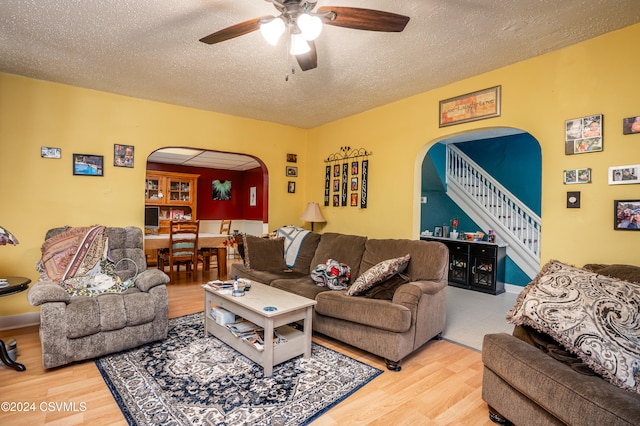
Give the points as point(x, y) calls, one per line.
point(491, 205)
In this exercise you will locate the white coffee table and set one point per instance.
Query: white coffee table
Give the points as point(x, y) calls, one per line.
point(289, 308)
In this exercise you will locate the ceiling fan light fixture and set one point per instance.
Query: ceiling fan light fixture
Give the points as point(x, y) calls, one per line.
point(299, 45)
point(272, 30)
point(310, 26)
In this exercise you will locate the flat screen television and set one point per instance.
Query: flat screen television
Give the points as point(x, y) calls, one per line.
point(152, 218)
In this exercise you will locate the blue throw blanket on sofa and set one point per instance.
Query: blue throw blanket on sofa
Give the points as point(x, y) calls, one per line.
point(293, 237)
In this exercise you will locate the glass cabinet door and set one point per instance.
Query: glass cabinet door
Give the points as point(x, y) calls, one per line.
point(153, 189)
point(179, 191)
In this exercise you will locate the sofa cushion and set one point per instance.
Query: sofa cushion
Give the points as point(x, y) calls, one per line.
point(374, 313)
point(306, 252)
point(591, 315)
point(629, 273)
point(302, 286)
point(343, 248)
point(432, 258)
point(378, 274)
point(264, 254)
point(264, 277)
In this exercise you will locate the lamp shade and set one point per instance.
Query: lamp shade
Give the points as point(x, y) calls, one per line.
point(7, 237)
point(312, 214)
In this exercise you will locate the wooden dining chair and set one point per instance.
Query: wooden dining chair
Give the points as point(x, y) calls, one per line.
point(183, 244)
point(225, 227)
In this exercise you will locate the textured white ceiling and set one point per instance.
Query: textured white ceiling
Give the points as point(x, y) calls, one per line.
point(150, 49)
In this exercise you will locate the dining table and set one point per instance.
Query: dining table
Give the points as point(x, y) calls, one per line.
point(206, 244)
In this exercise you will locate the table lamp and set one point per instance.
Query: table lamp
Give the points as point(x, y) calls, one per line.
point(312, 214)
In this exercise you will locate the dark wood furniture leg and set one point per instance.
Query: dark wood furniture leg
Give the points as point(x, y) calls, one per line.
point(4, 357)
point(222, 263)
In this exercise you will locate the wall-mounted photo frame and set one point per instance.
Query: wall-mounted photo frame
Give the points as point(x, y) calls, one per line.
point(624, 175)
point(437, 231)
point(573, 200)
point(253, 196)
point(354, 168)
point(336, 200)
point(336, 185)
point(292, 158)
point(88, 165)
point(354, 199)
point(631, 125)
point(354, 183)
point(221, 190)
point(583, 135)
point(292, 171)
point(291, 187)
point(626, 215)
point(47, 152)
point(336, 170)
point(123, 155)
point(470, 107)
point(572, 176)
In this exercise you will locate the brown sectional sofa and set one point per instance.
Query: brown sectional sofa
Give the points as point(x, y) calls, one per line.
point(390, 328)
point(524, 385)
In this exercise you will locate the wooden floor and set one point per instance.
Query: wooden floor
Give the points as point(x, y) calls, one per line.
point(439, 385)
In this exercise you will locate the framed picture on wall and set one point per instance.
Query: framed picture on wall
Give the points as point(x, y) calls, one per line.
point(88, 165)
point(626, 215)
point(123, 155)
point(624, 175)
point(583, 135)
point(46, 152)
point(291, 188)
point(631, 125)
point(577, 176)
point(292, 171)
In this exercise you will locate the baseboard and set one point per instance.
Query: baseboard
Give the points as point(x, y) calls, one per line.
point(512, 288)
point(18, 321)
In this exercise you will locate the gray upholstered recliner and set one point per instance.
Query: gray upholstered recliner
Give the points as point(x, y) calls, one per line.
point(75, 328)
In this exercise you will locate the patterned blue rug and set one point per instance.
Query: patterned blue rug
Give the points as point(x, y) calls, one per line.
point(190, 379)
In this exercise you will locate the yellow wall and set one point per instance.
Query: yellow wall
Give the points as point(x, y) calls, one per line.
point(38, 194)
point(595, 77)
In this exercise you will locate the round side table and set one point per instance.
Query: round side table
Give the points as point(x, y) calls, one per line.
point(15, 285)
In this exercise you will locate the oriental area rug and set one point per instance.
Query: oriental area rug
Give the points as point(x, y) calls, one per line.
point(196, 380)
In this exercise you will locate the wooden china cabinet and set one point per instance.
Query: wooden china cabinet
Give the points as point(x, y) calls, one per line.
point(175, 194)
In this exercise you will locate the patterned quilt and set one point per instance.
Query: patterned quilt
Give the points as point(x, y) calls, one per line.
point(593, 316)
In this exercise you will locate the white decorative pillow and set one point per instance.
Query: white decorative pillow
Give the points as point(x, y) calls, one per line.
point(377, 274)
point(591, 315)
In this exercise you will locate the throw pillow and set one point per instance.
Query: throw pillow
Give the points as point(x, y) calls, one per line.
point(333, 274)
point(377, 274)
point(386, 289)
point(264, 254)
point(590, 315)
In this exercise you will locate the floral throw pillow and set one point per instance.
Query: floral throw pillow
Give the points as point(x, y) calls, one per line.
point(378, 274)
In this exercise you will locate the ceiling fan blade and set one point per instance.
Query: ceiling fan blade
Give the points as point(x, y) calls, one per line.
point(309, 60)
point(234, 31)
point(365, 19)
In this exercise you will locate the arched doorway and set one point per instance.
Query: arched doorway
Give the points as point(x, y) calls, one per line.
point(247, 203)
point(508, 159)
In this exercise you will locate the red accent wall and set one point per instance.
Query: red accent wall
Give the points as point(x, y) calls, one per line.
point(238, 207)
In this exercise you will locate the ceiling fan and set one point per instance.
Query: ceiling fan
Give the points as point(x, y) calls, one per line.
point(303, 26)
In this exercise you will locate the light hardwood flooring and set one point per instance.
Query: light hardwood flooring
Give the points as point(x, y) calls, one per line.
point(440, 384)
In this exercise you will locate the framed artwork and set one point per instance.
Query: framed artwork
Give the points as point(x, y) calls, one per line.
point(437, 231)
point(623, 175)
point(336, 200)
point(292, 158)
point(631, 125)
point(354, 183)
point(583, 135)
point(336, 170)
point(470, 107)
point(354, 199)
point(573, 200)
point(123, 155)
point(46, 152)
point(577, 176)
point(291, 189)
point(626, 215)
point(221, 190)
point(336, 185)
point(88, 165)
point(253, 199)
point(292, 171)
point(354, 168)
